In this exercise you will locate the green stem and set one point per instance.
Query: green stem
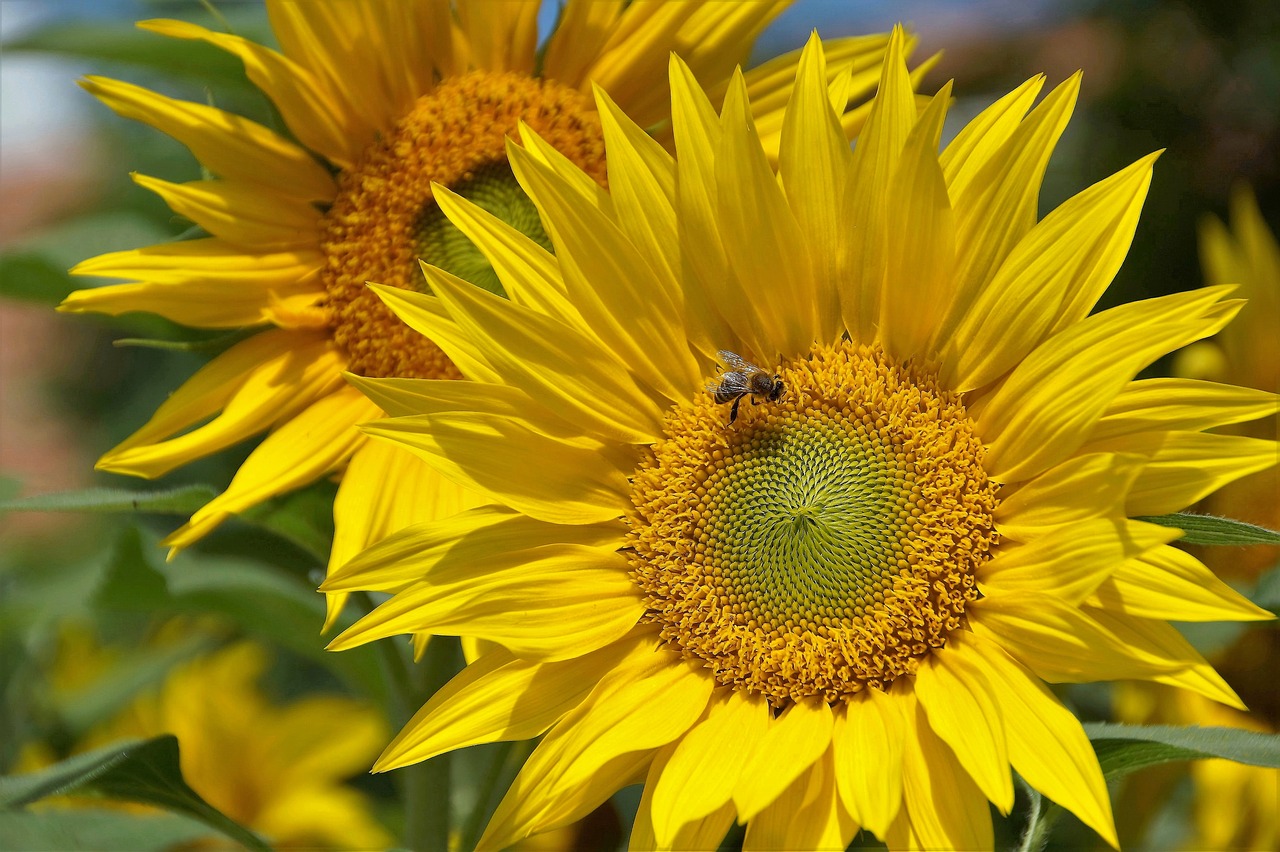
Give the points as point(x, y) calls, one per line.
point(507, 759)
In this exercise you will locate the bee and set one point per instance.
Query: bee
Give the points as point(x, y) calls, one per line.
point(740, 378)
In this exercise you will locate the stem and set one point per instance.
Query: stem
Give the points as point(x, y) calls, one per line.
point(507, 758)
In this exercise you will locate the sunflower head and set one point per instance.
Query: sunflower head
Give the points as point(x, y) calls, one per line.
point(822, 585)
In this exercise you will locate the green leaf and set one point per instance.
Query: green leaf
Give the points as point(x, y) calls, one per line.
point(1214, 531)
point(174, 501)
point(145, 771)
point(1126, 748)
point(303, 517)
point(98, 829)
point(33, 277)
point(211, 345)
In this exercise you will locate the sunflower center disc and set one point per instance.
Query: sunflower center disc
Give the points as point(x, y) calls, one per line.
point(385, 219)
point(822, 543)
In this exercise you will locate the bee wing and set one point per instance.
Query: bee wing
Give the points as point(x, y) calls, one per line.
point(728, 383)
point(734, 361)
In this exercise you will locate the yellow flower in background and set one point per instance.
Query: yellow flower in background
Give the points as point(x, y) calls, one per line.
point(839, 608)
point(276, 769)
point(382, 100)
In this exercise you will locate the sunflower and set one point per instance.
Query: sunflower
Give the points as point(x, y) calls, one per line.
point(840, 609)
point(381, 100)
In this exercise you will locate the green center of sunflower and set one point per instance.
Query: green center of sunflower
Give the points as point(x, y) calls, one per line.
point(385, 219)
point(823, 542)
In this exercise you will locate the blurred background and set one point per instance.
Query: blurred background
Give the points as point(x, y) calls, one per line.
point(1200, 79)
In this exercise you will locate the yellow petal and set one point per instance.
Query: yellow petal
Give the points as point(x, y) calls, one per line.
point(502, 36)
point(1047, 407)
point(998, 207)
point(428, 316)
point(946, 809)
point(700, 775)
point(814, 166)
point(580, 34)
point(920, 247)
point(985, 136)
point(1183, 467)
point(309, 446)
point(1168, 584)
point(647, 701)
point(893, 114)
point(1071, 561)
point(314, 118)
point(476, 534)
point(205, 283)
point(869, 734)
point(553, 603)
point(528, 272)
point(570, 373)
point(375, 59)
point(227, 144)
point(762, 236)
point(1049, 280)
point(241, 214)
point(1181, 404)
point(807, 815)
point(1047, 745)
point(257, 383)
point(793, 742)
point(704, 833)
point(497, 698)
point(716, 311)
point(614, 289)
point(642, 182)
point(567, 482)
point(964, 710)
point(1079, 489)
point(370, 504)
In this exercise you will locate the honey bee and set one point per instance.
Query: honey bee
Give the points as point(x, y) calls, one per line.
point(740, 378)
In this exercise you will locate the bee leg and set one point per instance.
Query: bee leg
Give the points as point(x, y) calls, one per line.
point(733, 412)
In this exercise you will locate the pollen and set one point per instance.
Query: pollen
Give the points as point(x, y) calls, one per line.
point(824, 542)
point(385, 219)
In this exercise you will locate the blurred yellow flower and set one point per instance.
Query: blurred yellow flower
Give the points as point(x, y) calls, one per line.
point(383, 100)
point(824, 593)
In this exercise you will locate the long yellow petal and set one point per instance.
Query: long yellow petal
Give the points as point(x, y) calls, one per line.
point(538, 352)
point(984, 136)
point(1169, 584)
point(204, 283)
point(241, 214)
point(647, 701)
point(893, 114)
point(567, 482)
point(1049, 280)
point(1047, 746)
point(500, 697)
point(1079, 489)
point(473, 535)
point(1071, 561)
point(227, 144)
point(259, 382)
point(964, 710)
point(370, 504)
point(920, 240)
point(704, 833)
point(502, 36)
point(428, 316)
point(808, 815)
point(580, 34)
point(612, 286)
point(701, 774)
point(1183, 467)
point(315, 119)
point(814, 166)
point(1181, 404)
point(998, 207)
point(559, 601)
point(945, 806)
point(759, 232)
point(308, 446)
point(716, 313)
point(796, 739)
point(1047, 407)
point(869, 734)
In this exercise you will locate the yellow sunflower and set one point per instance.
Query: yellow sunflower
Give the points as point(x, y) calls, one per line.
point(840, 608)
point(382, 100)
